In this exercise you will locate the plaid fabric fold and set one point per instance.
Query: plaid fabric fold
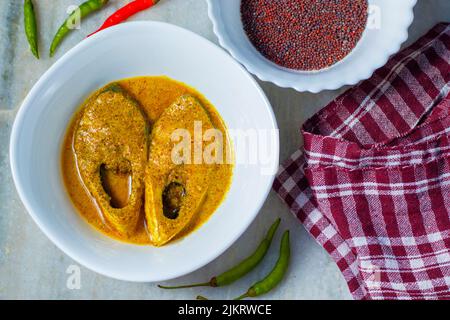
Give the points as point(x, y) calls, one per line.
point(372, 182)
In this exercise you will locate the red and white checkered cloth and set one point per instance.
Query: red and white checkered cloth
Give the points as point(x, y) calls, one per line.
point(372, 183)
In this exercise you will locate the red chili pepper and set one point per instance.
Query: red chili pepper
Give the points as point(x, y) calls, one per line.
point(125, 12)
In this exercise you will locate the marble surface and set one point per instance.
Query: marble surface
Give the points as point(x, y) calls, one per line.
point(31, 267)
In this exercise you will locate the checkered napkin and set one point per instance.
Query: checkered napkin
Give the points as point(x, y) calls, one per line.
point(372, 183)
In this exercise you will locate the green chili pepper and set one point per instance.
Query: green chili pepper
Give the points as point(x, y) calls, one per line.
point(31, 26)
point(242, 268)
point(275, 276)
point(81, 12)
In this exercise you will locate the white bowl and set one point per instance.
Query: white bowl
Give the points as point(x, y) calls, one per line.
point(128, 50)
point(377, 44)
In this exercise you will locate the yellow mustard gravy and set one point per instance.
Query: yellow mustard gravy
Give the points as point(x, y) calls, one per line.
point(154, 95)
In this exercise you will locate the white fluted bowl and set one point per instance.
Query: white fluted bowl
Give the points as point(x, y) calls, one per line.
point(128, 50)
point(377, 44)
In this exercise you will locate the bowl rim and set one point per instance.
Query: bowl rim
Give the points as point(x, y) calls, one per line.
point(213, 13)
point(67, 249)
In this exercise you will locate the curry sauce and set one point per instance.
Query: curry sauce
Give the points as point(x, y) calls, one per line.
point(155, 96)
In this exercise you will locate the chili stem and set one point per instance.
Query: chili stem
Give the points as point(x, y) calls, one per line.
point(245, 295)
point(206, 284)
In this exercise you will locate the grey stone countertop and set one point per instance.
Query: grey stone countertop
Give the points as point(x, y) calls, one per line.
point(32, 267)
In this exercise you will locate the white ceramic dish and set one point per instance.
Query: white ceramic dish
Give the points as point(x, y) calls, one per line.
point(372, 51)
point(134, 49)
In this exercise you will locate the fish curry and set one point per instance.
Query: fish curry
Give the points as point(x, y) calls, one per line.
point(118, 160)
